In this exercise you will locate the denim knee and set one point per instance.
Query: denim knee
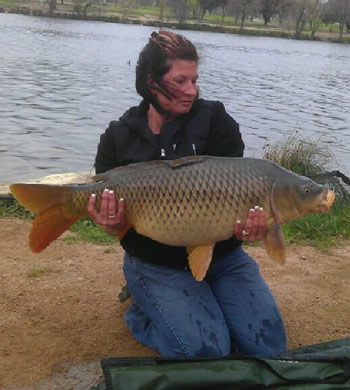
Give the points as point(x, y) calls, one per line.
point(208, 343)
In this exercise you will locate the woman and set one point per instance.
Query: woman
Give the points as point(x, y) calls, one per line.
point(232, 309)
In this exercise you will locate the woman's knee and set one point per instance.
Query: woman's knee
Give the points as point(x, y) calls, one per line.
point(208, 343)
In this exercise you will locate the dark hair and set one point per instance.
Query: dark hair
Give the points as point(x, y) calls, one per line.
point(155, 61)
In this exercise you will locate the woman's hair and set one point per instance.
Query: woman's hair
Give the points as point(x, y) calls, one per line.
point(155, 61)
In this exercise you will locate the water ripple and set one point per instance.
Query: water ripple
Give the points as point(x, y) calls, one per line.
point(62, 81)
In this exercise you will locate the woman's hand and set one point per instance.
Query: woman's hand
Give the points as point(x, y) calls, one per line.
point(255, 226)
point(111, 221)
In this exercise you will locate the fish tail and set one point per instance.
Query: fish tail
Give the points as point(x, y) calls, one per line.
point(54, 215)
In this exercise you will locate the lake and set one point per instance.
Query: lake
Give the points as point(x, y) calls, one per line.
point(62, 82)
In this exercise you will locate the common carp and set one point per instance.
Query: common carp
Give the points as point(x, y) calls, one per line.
point(191, 202)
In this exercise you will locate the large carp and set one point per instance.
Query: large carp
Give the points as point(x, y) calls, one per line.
point(191, 202)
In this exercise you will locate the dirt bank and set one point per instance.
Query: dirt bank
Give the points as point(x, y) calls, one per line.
point(60, 315)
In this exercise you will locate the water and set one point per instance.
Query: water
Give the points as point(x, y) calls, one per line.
point(62, 81)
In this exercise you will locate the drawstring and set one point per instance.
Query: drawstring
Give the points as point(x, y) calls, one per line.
point(162, 150)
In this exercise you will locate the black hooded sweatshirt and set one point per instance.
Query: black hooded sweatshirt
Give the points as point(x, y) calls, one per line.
point(206, 130)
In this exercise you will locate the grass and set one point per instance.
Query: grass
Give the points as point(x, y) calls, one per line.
point(84, 229)
point(321, 230)
point(308, 157)
point(36, 272)
point(87, 230)
point(303, 156)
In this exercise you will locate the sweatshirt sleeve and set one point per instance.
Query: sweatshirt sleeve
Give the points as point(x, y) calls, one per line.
point(225, 136)
point(106, 151)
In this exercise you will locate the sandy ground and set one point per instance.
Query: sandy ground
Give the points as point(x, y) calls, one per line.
point(57, 325)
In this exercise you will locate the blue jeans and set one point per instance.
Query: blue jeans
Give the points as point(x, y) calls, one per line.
point(231, 310)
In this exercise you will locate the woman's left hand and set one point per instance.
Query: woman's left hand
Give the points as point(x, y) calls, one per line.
point(255, 226)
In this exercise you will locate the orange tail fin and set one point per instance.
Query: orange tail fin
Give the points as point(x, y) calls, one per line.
point(48, 202)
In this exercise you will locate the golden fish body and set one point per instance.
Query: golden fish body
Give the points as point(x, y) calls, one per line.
point(192, 202)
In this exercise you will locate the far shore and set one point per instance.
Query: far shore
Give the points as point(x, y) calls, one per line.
point(195, 25)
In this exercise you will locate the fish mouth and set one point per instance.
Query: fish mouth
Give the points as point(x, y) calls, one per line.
point(327, 202)
point(330, 198)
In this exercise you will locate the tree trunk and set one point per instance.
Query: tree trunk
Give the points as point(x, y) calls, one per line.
point(343, 21)
point(161, 9)
point(52, 6)
point(244, 12)
point(223, 14)
point(87, 5)
point(300, 24)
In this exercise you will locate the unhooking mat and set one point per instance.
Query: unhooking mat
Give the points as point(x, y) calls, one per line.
point(323, 366)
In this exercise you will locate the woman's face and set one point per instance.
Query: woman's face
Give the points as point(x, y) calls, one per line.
point(181, 81)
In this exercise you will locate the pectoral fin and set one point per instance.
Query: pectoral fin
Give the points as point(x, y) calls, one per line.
point(274, 244)
point(199, 259)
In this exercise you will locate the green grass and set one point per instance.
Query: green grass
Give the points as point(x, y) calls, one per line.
point(321, 230)
point(87, 230)
point(14, 209)
point(307, 157)
point(84, 229)
point(299, 154)
point(36, 272)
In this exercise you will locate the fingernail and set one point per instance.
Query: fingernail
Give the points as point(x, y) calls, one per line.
point(238, 221)
point(261, 209)
point(121, 199)
point(93, 194)
point(257, 207)
point(111, 191)
point(106, 190)
point(252, 210)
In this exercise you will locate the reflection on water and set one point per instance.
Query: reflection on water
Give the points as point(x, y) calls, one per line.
point(62, 81)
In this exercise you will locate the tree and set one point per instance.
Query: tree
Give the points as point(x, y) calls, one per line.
point(209, 5)
point(180, 9)
point(242, 9)
point(305, 11)
point(284, 10)
point(314, 17)
point(194, 4)
point(269, 8)
point(343, 19)
point(245, 9)
point(52, 6)
point(337, 11)
point(161, 5)
point(300, 18)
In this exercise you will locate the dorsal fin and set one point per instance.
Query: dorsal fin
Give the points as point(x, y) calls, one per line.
point(127, 169)
point(186, 161)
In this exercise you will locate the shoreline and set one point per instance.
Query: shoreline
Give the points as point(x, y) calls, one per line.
point(56, 178)
point(195, 25)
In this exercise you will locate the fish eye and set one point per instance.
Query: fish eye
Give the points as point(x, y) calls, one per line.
point(306, 190)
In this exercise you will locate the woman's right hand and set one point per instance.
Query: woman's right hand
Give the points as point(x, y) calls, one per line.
point(112, 221)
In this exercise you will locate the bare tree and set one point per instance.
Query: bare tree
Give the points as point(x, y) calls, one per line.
point(126, 5)
point(314, 17)
point(268, 9)
point(244, 14)
point(284, 10)
point(343, 20)
point(52, 6)
point(162, 4)
point(180, 9)
point(241, 9)
point(194, 4)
